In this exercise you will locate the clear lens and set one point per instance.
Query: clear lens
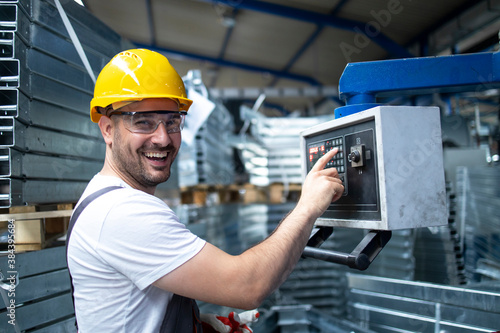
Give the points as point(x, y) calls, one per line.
point(148, 122)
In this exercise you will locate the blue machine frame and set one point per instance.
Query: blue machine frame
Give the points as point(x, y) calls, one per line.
point(361, 83)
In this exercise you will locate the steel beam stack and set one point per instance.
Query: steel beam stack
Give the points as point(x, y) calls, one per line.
point(323, 284)
point(439, 252)
point(272, 152)
point(217, 224)
point(479, 203)
point(49, 149)
point(392, 305)
point(208, 159)
point(233, 227)
point(214, 155)
point(303, 318)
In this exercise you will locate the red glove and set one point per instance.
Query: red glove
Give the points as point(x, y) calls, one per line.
point(233, 323)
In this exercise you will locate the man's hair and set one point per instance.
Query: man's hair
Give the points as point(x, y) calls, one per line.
point(106, 111)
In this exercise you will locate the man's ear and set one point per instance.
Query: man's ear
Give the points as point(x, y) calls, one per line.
point(106, 125)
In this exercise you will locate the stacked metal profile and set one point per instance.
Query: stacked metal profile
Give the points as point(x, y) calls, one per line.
point(217, 224)
point(439, 252)
point(209, 159)
point(324, 284)
point(233, 227)
point(303, 318)
point(272, 152)
point(257, 221)
point(48, 147)
point(391, 305)
point(479, 203)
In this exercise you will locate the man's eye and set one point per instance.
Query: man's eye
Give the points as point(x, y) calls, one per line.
point(173, 121)
point(143, 122)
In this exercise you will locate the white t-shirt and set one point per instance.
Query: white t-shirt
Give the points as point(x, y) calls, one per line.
point(122, 242)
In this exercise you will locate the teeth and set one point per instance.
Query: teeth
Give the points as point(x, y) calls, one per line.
point(156, 155)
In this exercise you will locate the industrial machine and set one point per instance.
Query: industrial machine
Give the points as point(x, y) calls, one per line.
point(390, 158)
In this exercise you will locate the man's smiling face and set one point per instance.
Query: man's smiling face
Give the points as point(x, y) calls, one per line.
point(144, 160)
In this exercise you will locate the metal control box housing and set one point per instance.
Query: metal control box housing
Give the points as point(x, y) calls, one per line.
point(390, 160)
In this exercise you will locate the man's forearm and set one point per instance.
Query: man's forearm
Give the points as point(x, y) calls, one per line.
point(273, 259)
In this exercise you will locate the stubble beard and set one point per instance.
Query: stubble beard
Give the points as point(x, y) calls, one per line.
point(130, 163)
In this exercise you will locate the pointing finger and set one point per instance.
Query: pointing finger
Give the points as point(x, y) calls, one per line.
point(321, 163)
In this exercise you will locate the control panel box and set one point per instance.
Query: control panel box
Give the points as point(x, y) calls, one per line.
point(390, 161)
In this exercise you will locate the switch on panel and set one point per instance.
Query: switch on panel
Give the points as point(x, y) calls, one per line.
point(357, 156)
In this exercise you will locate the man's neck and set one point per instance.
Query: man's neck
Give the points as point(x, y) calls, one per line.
point(108, 170)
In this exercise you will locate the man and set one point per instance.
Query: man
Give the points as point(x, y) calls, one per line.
point(134, 266)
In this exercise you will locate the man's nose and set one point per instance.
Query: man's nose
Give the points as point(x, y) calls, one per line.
point(160, 135)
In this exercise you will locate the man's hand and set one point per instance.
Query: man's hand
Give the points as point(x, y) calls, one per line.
point(233, 323)
point(321, 186)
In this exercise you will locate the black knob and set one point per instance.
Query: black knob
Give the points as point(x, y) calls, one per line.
point(354, 156)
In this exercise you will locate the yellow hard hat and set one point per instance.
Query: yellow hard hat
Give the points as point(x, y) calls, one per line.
point(134, 75)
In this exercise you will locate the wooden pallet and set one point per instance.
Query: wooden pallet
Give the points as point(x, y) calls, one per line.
point(254, 194)
point(35, 227)
point(202, 195)
point(277, 193)
point(281, 193)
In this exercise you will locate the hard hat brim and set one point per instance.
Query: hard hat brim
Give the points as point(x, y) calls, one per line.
point(184, 103)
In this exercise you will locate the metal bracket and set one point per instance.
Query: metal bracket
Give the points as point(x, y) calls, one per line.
point(360, 258)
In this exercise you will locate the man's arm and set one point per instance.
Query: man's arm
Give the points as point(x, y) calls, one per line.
point(245, 280)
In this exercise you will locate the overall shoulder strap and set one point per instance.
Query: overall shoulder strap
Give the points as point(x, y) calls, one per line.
point(79, 209)
point(84, 204)
point(182, 316)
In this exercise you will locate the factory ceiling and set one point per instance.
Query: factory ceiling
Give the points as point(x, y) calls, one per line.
point(289, 47)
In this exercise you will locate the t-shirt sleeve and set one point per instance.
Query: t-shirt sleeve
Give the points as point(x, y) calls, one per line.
point(144, 240)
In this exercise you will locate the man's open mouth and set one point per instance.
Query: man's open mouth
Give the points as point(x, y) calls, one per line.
point(156, 156)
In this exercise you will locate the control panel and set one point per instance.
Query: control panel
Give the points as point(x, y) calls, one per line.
point(390, 162)
point(318, 149)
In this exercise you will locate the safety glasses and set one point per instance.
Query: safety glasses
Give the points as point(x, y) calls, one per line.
point(147, 122)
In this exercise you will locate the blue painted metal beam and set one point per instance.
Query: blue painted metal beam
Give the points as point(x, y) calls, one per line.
point(299, 53)
point(361, 83)
point(308, 42)
point(338, 7)
point(225, 42)
point(227, 63)
point(227, 36)
point(386, 43)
